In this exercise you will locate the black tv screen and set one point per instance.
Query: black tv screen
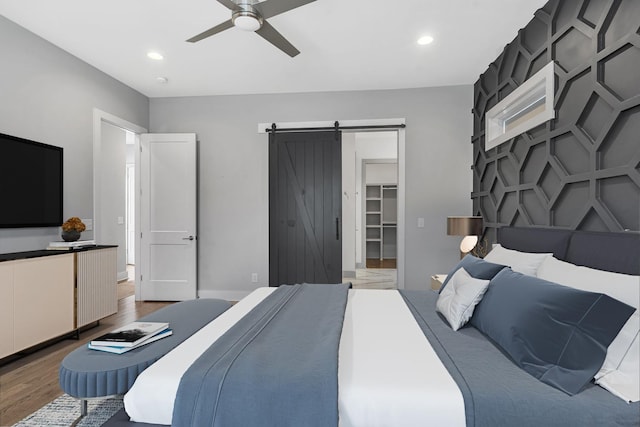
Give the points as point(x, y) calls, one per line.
point(30, 183)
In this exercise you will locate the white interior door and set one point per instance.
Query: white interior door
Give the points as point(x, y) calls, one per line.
point(168, 249)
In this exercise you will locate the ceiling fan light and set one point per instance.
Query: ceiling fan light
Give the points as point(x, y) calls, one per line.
point(247, 23)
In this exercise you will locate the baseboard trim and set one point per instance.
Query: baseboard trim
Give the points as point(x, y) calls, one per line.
point(349, 274)
point(226, 295)
point(122, 276)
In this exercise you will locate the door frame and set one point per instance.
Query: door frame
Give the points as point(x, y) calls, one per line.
point(130, 221)
point(401, 170)
point(100, 117)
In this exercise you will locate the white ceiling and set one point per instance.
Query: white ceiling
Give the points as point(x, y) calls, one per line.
point(345, 44)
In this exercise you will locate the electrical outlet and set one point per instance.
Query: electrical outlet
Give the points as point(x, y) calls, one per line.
point(254, 277)
point(420, 222)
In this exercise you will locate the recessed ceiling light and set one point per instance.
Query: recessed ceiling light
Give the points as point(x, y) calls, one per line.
point(155, 55)
point(425, 40)
point(162, 80)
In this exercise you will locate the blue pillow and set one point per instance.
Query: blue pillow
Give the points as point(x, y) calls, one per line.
point(557, 334)
point(476, 267)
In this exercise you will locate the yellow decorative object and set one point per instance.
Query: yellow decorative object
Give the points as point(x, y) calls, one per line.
point(74, 224)
point(72, 228)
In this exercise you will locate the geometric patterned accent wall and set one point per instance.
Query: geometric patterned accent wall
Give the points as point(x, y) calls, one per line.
point(581, 170)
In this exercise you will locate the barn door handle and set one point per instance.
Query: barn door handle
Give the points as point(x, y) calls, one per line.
point(337, 228)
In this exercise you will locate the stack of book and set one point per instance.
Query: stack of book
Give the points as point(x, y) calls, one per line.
point(132, 336)
point(66, 246)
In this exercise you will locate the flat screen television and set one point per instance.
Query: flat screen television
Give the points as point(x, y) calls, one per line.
point(30, 183)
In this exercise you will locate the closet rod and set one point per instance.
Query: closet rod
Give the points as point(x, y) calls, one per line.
point(273, 128)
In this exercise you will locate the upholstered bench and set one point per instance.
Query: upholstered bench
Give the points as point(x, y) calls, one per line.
point(86, 374)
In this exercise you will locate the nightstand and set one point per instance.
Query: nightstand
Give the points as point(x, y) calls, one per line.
point(437, 280)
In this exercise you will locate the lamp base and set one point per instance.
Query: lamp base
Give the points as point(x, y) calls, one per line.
point(481, 249)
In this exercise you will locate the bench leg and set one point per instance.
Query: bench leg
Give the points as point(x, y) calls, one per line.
point(83, 412)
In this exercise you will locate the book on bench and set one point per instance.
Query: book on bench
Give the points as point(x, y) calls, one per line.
point(119, 349)
point(130, 335)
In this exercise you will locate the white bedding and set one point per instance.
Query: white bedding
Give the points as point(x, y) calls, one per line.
point(388, 373)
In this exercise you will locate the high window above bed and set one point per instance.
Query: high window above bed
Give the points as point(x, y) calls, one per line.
point(527, 106)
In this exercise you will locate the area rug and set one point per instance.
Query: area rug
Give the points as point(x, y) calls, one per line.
point(63, 411)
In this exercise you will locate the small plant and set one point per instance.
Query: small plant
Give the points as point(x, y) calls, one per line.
point(74, 224)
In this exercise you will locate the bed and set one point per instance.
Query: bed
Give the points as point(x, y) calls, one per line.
point(395, 360)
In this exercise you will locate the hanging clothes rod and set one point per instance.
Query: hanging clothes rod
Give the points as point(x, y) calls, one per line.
point(335, 127)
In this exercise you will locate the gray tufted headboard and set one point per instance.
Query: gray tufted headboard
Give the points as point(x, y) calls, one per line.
point(617, 252)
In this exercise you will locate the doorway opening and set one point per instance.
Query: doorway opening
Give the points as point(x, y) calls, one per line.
point(352, 245)
point(370, 209)
point(114, 160)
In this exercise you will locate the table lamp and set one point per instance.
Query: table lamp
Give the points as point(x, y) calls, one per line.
point(468, 226)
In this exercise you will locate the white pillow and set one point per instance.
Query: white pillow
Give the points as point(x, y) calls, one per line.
point(522, 262)
point(620, 372)
point(623, 287)
point(458, 299)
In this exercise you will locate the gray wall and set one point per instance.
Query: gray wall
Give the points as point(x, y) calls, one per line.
point(48, 95)
point(233, 199)
point(582, 169)
point(381, 173)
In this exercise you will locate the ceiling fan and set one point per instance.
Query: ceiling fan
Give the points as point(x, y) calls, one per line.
point(251, 15)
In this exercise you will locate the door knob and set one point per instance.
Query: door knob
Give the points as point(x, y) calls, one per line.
point(188, 238)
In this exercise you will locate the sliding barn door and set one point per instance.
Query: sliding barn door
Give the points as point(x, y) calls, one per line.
point(305, 224)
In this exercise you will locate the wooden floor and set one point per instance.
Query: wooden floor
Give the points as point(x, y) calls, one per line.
point(374, 278)
point(30, 382)
point(381, 263)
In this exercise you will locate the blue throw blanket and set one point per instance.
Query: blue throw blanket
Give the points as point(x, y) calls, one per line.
point(278, 366)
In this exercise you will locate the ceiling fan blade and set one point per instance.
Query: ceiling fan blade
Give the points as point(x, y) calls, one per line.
point(271, 8)
point(211, 31)
point(271, 35)
point(229, 5)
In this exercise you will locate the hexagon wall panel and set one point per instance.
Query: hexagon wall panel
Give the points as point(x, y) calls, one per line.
point(581, 170)
point(534, 35)
point(571, 154)
point(624, 21)
point(595, 117)
point(570, 204)
point(616, 75)
point(572, 49)
point(616, 150)
point(618, 187)
point(533, 164)
point(592, 12)
point(534, 207)
point(549, 182)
